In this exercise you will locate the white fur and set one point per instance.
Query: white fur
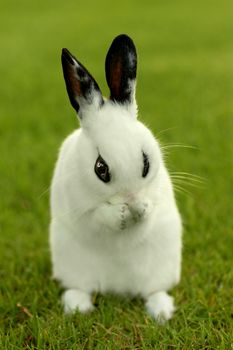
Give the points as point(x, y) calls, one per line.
point(123, 236)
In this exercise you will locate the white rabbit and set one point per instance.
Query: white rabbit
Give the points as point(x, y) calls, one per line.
point(115, 225)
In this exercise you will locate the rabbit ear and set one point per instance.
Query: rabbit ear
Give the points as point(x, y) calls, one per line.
point(81, 87)
point(120, 68)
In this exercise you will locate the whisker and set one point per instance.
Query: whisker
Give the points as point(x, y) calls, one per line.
point(178, 145)
point(44, 192)
point(183, 173)
point(165, 130)
point(165, 153)
point(187, 178)
point(187, 183)
point(180, 189)
point(57, 181)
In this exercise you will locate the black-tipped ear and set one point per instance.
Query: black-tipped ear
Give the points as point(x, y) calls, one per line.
point(121, 69)
point(82, 89)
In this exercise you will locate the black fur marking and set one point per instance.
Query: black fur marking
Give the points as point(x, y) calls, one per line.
point(121, 68)
point(68, 66)
point(79, 82)
point(146, 165)
point(66, 55)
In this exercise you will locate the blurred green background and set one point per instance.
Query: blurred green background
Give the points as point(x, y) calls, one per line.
point(185, 94)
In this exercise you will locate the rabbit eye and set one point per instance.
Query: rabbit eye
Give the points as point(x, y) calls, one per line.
point(146, 165)
point(102, 170)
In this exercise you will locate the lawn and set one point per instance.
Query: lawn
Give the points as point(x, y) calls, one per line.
point(185, 94)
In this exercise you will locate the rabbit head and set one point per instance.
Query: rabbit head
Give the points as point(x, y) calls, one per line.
point(116, 154)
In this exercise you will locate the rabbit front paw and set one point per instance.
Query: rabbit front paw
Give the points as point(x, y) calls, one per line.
point(117, 217)
point(140, 210)
point(121, 216)
point(125, 216)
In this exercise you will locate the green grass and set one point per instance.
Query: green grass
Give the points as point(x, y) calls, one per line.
point(185, 85)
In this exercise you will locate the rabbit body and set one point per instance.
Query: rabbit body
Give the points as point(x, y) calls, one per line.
point(122, 234)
